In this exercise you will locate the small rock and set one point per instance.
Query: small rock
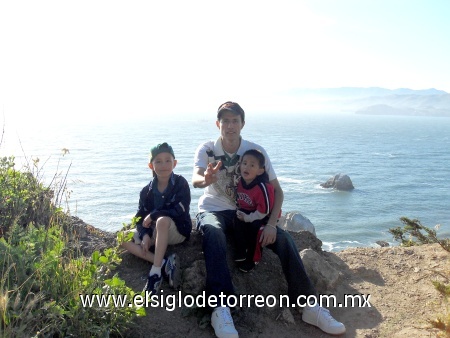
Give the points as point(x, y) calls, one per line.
point(383, 244)
point(287, 316)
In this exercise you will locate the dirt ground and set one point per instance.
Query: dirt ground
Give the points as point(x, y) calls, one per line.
point(398, 280)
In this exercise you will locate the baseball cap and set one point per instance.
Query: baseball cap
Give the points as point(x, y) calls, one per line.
point(233, 107)
point(161, 148)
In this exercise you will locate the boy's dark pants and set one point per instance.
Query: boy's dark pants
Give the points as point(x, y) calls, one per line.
point(245, 237)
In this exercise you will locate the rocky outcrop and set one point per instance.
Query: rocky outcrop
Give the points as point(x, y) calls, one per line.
point(395, 278)
point(269, 269)
point(193, 265)
point(323, 275)
point(267, 279)
point(294, 221)
point(339, 182)
point(86, 238)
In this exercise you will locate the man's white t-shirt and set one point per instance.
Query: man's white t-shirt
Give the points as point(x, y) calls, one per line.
point(221, 195)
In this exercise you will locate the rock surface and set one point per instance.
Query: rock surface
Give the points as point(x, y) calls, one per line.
point(294, 221)
point(402, 298)
point(339, 182)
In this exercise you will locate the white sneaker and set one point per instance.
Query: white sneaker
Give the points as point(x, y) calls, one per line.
point(222, 322)
point(321, 317)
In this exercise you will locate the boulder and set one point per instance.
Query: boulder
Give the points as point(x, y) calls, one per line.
point(339, 182)
point(267, 279)
point(322, 274)
point(269, 269)
point(294, 221)
point(134, 270)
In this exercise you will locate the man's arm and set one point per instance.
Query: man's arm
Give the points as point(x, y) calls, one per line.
point(202, 177)
point(269, 234)
point(198, 178)
point(277, 203)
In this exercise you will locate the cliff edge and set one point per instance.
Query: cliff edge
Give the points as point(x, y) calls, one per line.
point(393, 284)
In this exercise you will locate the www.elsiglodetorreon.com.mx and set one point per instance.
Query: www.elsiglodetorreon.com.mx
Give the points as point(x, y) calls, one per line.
point(171, 301)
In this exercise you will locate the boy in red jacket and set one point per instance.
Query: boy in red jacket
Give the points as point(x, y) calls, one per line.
point(255, 198)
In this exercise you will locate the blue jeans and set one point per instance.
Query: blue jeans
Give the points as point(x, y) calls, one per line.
point(214, 225)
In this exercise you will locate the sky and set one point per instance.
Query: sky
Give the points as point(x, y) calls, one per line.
point(102, 60)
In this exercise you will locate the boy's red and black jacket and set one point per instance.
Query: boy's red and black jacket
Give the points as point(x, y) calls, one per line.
point(258, 195)
point(177, 199)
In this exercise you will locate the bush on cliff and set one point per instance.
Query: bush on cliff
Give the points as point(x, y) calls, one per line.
point(43, 276)
point(414, 233)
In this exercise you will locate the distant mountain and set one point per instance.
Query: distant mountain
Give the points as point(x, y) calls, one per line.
point(379, 101)
point(364, 92)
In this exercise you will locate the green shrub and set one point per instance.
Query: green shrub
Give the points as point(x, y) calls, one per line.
point(42, 277)
point(23, 199)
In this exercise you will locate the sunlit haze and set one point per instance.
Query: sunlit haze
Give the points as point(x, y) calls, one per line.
point(99, 60)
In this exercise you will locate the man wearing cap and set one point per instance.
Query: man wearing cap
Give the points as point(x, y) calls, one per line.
point(215, 170)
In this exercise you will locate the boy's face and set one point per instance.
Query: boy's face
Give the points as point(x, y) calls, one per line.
point(163, 165)
point(230, 125)
point(250, 168)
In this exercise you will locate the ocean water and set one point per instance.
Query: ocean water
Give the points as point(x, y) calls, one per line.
point(398, 165)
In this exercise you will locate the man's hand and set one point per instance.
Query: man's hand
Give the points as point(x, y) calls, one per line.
point(268, 236)
point(210, 173)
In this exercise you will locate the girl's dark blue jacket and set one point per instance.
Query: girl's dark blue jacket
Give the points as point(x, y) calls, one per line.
point(177, 199)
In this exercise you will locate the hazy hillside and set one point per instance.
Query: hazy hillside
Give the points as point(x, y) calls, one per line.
point(358, 92)
point(378, 101)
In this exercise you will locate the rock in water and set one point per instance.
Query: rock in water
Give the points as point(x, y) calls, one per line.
point(339, 182)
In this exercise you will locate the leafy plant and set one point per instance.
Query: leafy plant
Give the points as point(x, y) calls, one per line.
point(23, 199)
point(414, 233)
point(127, 231)
point(43, 275)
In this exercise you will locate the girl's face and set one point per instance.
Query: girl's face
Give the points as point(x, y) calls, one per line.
point(250, 168)
point(163, 165)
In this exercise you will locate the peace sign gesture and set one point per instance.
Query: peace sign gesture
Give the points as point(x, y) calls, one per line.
point(210, 173)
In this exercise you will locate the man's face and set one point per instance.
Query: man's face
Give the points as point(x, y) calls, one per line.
point(230, 125)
